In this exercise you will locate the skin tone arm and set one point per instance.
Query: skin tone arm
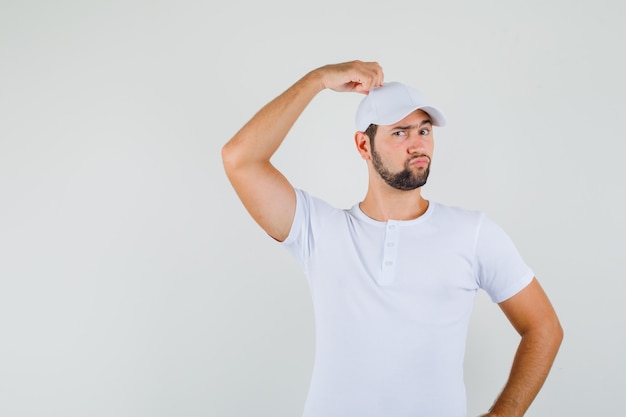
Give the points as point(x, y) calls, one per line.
point(264, 191)
point(532, 315)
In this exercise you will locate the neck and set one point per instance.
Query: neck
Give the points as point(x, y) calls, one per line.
point(384, 203)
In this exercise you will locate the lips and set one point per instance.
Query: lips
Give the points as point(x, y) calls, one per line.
point(420, 161)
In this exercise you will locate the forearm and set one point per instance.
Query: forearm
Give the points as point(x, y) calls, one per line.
point(532, 363)
point(259, 139)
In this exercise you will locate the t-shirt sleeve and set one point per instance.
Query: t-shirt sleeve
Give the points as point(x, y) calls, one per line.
point(307, 223)
point(501, 271)
point(296, 242)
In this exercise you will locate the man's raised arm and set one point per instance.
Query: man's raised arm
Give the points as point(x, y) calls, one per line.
point(265, 192)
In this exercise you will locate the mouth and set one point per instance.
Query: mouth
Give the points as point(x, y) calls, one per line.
point(419, 161)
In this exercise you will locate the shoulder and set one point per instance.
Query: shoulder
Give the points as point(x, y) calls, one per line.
point(456, 211)
point(313, 217)
point(475, 222)
point(310, 202)
point(312, 211)
point(455, 216)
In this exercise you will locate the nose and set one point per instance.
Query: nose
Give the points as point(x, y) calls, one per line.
point(417, 142)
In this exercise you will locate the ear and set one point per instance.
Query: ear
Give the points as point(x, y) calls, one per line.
point(362, 142)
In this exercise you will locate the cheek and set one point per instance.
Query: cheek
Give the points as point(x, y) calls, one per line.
point(430, 147)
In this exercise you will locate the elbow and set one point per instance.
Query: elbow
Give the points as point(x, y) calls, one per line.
point(556, 329)
point(226, 153)
point(557, 339)
point(553, 333)
point(549, 334)
point(559, 333)
point(229, 157)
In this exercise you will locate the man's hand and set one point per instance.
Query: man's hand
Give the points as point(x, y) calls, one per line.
point(354, 76)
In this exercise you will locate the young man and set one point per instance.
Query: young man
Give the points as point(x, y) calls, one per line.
point(393, 279)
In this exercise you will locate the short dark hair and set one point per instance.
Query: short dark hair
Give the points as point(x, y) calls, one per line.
point(371, 131)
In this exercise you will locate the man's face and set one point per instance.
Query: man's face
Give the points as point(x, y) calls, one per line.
point(402, 152)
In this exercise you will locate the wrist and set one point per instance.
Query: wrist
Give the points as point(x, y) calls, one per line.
point(314, 78)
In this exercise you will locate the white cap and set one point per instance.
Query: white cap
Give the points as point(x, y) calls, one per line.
point(391, 103)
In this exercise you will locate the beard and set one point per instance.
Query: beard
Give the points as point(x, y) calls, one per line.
point(407, 179)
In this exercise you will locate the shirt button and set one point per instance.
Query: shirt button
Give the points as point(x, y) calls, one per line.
point(388, 263)
point(389, 244)
point(392, 227)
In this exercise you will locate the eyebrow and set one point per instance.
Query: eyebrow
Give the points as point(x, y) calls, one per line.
point(424, 122)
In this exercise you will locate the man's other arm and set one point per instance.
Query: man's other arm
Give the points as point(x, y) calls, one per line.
point(532, 315)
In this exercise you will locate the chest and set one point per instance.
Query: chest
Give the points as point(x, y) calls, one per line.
point(423, 272)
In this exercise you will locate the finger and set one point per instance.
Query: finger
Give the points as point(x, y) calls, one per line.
point(356, 76)
point(371, 81)
point(374, 76)
point(379, 75)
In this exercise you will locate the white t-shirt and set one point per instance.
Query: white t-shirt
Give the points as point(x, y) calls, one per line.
point(392, 303)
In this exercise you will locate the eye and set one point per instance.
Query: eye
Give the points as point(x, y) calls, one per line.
point(424, 132)
point(399, 133)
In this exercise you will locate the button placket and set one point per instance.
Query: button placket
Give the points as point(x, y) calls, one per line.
point(389, 253)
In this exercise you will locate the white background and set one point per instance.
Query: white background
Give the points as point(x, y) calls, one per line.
point(133, 283)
